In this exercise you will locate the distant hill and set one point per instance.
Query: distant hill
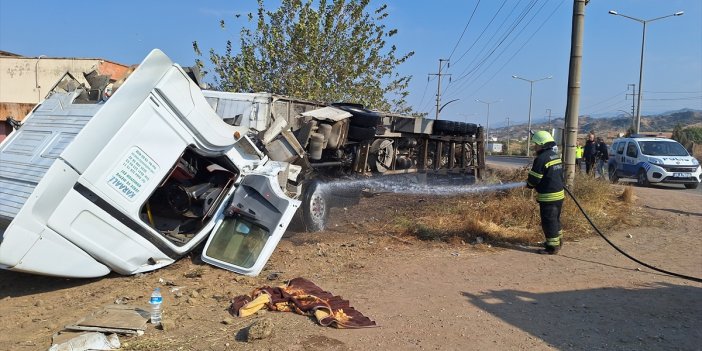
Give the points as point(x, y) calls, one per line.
point(664, 122)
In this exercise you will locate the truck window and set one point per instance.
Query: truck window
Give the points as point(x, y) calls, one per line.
point(631, 150)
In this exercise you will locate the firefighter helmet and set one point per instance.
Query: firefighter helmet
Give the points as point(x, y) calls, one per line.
point(541, 137)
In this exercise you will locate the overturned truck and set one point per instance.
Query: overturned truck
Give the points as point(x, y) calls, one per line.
point(130, 180)
point(345, 140)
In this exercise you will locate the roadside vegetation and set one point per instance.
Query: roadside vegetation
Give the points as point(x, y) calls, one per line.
point(512, 217)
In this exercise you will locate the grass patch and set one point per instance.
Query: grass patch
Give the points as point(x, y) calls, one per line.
point(513, 216)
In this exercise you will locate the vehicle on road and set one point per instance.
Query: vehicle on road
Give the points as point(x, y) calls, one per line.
point(652, 160)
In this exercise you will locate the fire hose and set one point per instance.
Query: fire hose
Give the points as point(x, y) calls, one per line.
point(694, 279)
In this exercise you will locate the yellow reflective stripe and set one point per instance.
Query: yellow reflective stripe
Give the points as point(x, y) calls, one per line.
point(551, 196)
point(554, 162)
point(537, 175)
point(553, 242)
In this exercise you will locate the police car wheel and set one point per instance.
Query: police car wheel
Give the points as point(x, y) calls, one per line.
point(613, 177)
point(642, 178)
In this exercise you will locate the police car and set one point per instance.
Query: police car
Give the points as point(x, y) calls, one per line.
point(653, 160)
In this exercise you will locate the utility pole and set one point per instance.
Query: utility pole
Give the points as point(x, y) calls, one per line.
point(509, 136)
point(549, 120)
point(438, 84)
point(573, 104)
point(633, 100)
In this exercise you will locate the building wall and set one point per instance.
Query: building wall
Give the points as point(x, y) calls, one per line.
point(25, 80)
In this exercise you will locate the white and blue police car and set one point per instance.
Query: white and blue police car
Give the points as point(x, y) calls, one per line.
point(652, 160)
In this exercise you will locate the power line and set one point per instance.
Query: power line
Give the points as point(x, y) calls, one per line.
point(487, 42)
point(604, 101)
point(520, 48)
point(504, 37)
point(514, 25)
point(672, 92)
point(464, 29)
point(425, 92)
point(671, 99)
point(481, 34)
point(464, 86)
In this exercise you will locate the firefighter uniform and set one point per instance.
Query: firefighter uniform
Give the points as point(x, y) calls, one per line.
point(546, 177)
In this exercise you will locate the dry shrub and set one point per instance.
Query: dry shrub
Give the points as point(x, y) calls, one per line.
point(627, 195)
point(513, 216)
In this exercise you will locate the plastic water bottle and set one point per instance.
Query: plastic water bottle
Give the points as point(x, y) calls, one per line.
point(155, 301)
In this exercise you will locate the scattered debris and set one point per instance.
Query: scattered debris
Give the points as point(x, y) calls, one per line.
point(167, 282)
point(260, 329)
point(274, 275)
point(303, 297)
point(196, 273)
point(629, 236)
point(479, 240)
point(117, 319)
point(122, 300)
point(85, 341)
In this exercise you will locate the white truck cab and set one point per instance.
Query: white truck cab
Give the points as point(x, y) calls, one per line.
point(129, 184)
point(653, 160)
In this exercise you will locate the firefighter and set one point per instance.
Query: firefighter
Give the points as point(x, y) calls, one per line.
point(546, 176)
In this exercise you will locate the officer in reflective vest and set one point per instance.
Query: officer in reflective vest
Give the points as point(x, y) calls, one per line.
point(546, 176)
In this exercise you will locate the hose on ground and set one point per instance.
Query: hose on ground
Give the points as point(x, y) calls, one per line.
point(694, 279)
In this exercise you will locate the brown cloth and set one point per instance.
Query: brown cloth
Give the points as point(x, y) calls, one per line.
point(302, 297)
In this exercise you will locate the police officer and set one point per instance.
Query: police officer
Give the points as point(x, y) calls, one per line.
point(578, 157)
point(546, 176)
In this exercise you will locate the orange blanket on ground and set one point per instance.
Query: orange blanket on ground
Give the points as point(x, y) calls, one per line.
point(303, 297)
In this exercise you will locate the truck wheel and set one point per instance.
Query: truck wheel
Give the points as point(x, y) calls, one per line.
point(692, 186)
point(471, 128)
point(382, 155)
point(642, 178)
point(613, 177)
point(444, 127)
point(360, 116)
point(315, 208)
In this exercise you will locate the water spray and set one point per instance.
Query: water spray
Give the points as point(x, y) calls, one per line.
point(396, 186)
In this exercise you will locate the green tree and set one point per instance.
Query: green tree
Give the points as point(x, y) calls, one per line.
point(334, 51)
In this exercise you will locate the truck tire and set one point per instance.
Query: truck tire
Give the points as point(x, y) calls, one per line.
point(360, 117)
point(315, 207)
point(471, 128)
point(361, 133)
point(444, 127)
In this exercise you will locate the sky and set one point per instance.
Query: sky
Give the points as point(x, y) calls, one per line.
point(486, 42)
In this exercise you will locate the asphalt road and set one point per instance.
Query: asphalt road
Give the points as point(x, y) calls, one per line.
point(513, 161)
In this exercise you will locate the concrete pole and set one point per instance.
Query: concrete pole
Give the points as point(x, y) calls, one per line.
point(573, 104)
point(509, 134)
point(438, 92)
point(531, 92)
point(638, 98)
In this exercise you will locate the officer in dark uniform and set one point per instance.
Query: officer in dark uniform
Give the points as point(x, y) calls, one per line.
point(546, 176)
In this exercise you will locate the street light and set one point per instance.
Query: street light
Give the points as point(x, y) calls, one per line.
point(487, 124)
point(531, 93)
point(637, 122)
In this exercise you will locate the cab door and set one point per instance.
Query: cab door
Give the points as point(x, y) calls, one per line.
point(630, 159)
point(247, 232)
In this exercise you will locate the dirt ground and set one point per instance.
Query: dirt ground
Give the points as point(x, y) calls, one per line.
point(423, 295)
